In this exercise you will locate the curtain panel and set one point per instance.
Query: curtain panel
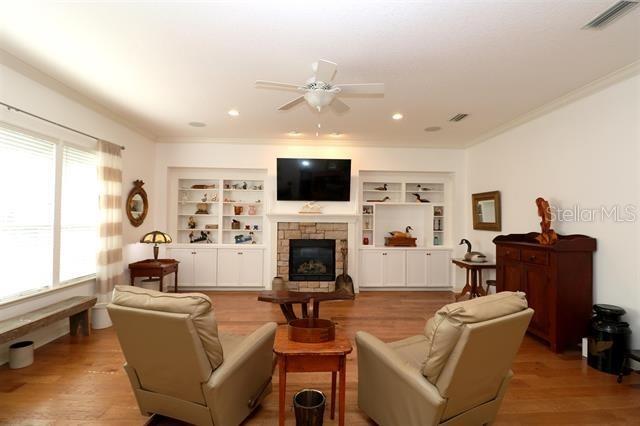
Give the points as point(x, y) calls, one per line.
point(109, 267)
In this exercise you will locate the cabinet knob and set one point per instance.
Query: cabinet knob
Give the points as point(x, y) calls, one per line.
point(239, 252)
point(532, 257)
point(384, 254)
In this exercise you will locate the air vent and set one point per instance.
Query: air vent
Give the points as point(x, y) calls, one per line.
point(609, 15)
point(458, 117)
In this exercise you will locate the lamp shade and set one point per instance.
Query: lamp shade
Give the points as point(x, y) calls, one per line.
point(156, 237)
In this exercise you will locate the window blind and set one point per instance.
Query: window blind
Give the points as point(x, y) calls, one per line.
point(27, 197)
point(79, 214)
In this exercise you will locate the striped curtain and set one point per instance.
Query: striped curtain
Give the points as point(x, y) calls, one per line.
point(109, 269)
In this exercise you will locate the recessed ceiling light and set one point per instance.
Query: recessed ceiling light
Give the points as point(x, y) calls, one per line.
point(233, 112)
point(294, 133)
point(397, 116)
point(197, 124)
point(432, 129)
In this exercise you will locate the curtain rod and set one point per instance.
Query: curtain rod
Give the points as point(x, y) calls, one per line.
point(11, 107)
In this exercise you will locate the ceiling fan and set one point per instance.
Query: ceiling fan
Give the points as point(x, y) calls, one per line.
point(319, 91)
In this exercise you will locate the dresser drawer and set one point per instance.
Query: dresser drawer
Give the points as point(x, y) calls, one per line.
point(538, 257)
point(508, 253)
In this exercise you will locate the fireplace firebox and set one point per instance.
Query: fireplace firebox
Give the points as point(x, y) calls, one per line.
point(312, 260)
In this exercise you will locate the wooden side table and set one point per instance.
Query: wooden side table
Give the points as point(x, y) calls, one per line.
point(152, 268)
point(473, 285)
point(295, 357)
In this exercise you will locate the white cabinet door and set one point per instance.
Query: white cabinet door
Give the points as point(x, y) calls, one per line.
point(251, 266)
point(417, 268)
point(185, 268)
point(205, 265)
point(438, 267)
point(228, 267)
point(370, 268)
point(393, 268)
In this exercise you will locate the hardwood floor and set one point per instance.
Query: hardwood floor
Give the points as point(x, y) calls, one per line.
point(79, 380)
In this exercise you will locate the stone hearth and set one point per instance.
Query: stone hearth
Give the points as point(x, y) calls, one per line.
point(309, 230)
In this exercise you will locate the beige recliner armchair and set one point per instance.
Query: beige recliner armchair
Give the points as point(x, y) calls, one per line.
point(180, 367)
point(456, 373)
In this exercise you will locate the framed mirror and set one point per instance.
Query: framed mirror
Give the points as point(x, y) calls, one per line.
point(486, 211)
point(137, 204)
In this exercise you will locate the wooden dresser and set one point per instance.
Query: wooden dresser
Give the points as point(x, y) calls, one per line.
point(557, 279)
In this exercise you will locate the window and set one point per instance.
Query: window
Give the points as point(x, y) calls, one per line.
point(48, 220)
point(79, 214)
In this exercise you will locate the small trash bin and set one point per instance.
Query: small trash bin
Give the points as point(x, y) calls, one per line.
point(21, 354)
point(100, 317)
point(609, 339)
point(308, 405)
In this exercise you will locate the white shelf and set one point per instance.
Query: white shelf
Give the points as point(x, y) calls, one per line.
point(383, 191)
point(242, 202)
point(198, 202)
point(197, 215)
point(197, 229)
point(192, 189)
point(242, 230)
point(243, 215)
point(244, 190)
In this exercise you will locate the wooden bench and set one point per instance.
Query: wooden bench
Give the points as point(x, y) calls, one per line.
point(77, 309)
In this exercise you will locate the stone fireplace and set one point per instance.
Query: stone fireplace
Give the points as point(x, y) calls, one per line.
point(303, 250)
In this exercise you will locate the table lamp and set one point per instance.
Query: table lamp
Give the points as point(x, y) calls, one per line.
point(155, 238)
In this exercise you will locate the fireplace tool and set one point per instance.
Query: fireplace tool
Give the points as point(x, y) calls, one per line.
point(344, 283)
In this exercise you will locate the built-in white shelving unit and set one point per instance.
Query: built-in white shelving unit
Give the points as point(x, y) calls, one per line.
point(393, 204)
point(391, 201)
point(220, 211)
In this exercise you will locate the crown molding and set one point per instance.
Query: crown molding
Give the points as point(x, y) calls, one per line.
point(610, 79)
point(52, 83)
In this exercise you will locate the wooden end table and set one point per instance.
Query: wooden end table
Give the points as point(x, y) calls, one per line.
point(473, 285)
point(295, 357)
point(152, 268)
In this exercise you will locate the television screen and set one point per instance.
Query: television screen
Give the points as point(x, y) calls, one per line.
point(311, 179)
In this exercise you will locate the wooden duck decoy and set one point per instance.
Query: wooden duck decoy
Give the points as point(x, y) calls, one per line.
point(379, 201)
point(381, 188)
point(400, 234)
point(420, 199)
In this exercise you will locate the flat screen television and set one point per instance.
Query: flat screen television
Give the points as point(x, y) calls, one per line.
point(312, 179)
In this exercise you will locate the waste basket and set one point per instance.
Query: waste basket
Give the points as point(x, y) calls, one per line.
point(308, 405)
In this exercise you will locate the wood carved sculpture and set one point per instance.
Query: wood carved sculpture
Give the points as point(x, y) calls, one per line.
point(547, 235)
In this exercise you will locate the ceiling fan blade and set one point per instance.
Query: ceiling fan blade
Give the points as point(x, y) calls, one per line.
point(362, 88)
point(325, 71)
point(276, 84)
point(291, 103)
point(338, 106)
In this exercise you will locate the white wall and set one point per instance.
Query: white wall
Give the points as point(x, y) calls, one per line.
point(586, 153)
point(32, 94)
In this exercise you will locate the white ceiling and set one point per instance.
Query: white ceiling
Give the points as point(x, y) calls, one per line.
point(162, 65)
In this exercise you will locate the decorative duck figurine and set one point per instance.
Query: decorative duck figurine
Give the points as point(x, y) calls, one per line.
point(419, 199)
point(381, 188)
point(472, 256)
point(400, 234)
point(379, 201)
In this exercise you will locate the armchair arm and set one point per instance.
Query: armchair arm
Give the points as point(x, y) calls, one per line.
point(241, 377)
point(392, 392)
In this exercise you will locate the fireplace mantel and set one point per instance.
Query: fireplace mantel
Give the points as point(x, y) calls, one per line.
point(313, 217)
